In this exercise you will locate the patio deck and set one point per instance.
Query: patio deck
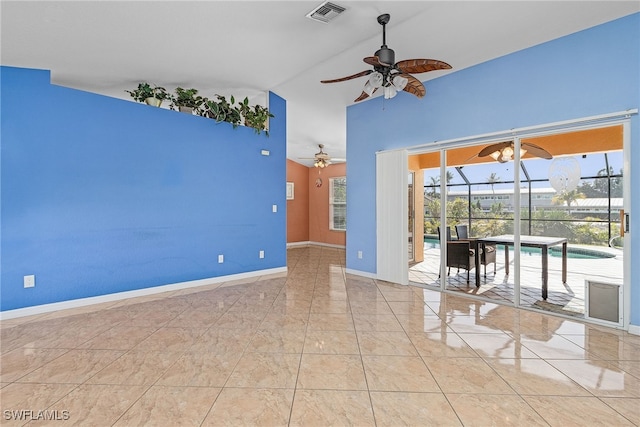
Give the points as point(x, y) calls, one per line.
point(568, 299)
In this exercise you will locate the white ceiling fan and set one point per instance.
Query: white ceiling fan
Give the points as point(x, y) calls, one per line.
point(322, 159)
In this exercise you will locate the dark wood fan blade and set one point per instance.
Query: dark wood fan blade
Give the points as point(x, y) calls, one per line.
point(375, 61)
point(470, 158)
point(364, 95)
point(414, 86)
point(494, 147)
point(353, 76)
point(536, 151)
point(421, 65)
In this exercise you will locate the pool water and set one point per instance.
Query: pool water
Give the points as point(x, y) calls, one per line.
point(556, 251)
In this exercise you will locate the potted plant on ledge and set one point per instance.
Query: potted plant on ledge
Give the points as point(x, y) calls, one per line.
point(187, 100)
point(221, 111)
point(256, 117)
point(150, 95)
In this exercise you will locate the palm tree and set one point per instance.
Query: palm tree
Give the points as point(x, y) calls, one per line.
point(449, 177)
point(567, 197)
point(435, 183)
point(491, 180)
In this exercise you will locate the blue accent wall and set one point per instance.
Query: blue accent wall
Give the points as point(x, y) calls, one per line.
point(592, 72)
point(102, 195)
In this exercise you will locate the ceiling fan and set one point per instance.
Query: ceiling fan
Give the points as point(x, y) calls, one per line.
point(504, 151)
point(392, 76)
point(321, 159)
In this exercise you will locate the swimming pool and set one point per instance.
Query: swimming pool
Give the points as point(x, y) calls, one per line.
point(556, 251)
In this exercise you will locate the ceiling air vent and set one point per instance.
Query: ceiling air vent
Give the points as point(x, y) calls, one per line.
point(326, 12)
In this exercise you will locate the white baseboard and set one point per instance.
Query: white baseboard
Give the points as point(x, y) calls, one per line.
point(47, 308)
point(297, 244)
point(311, 243)
point(361, 273)
point(634, 329)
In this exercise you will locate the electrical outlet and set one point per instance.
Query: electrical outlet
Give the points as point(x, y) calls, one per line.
point(30, 281)
point(359, 254)
point(261, 254)
point(220, 259)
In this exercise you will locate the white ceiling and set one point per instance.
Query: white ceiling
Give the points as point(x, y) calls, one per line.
point(246, 48)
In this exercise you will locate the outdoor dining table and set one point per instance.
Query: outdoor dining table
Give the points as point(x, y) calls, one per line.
point(542, 242)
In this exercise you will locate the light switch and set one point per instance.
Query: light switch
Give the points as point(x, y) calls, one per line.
point(274, 208)
point(29, 281)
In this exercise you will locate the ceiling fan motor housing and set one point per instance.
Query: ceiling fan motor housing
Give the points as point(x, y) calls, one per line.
point(386, 55)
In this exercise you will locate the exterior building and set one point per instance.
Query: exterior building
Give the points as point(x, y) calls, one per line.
point(541, 198)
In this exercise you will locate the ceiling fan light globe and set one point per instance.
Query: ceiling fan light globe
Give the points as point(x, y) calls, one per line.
point(373, 83)
point(495, 155)
point(389, 92)
point(399, 82)
point(368, 88)
point(507, 153)
point(375, 79)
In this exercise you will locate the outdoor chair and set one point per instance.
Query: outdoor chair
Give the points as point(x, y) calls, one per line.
point(459, 254)
point(449, 237)
point(462, 231)
point(487, 253)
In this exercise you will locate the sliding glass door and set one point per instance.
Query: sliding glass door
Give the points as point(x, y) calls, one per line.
point(542, 230)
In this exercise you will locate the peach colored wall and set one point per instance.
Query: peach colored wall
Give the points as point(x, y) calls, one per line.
point(319, 205)
point(298, 208)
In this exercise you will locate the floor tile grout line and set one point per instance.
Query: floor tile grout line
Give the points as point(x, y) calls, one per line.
point(441, 391)
point(304, 343)
point(364, 371)
point(614, 409)
point(155, 383)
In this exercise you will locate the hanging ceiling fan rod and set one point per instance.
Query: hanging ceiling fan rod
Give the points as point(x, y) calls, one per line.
point(384, 20)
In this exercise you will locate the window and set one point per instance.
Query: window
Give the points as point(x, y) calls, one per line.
point(338, 203)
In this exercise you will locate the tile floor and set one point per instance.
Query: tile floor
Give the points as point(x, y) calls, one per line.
point(315, 347)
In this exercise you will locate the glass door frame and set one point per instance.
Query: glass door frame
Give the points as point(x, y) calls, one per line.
point(411, 241)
